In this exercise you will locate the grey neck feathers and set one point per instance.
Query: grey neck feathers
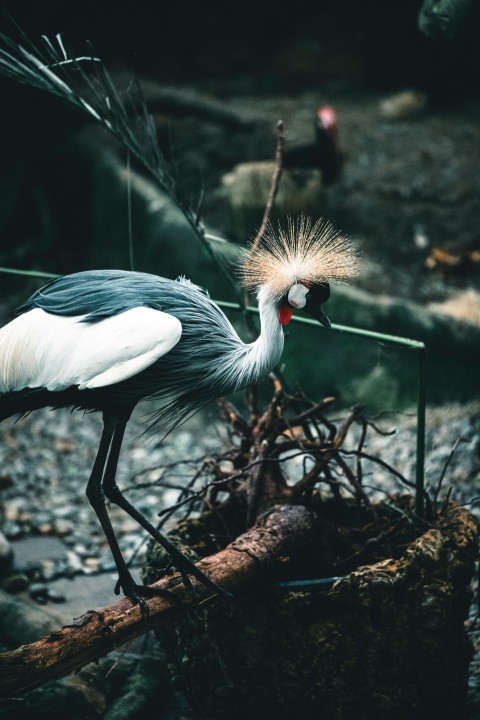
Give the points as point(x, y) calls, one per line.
point(250, 363)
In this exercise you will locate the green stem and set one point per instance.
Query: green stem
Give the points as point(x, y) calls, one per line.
point(29, 273)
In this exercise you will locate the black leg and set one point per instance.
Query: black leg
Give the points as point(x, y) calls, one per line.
point(96, 497)
point(185, 566)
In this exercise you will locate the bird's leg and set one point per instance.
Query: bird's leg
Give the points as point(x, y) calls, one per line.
point(96, 497)
point(185, 566)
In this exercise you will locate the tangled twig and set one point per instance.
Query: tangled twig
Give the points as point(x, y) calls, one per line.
point(289, 453)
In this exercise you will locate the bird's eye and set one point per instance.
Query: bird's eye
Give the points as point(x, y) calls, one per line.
point(319, 293)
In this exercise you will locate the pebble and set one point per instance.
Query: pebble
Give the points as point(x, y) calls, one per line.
point(45, 528)
point(55, 596)
point(15, 583)
point(91, 565)
point(42, 594)
point(403, 105)
point(62, 527)
point(38, 592)
point(6, 554)
point(73, 564)
point(12, 530)
point(48, 569)
point(5, 482)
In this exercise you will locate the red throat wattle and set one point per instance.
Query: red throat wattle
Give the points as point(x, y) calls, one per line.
point(285, 314)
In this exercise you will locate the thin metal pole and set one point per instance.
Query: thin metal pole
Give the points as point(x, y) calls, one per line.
point(421, 409)
point(29, 273)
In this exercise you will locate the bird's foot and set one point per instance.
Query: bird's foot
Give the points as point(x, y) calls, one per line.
point(137, 593)
point(163, 568)
point(186, 568)
point(177, 560)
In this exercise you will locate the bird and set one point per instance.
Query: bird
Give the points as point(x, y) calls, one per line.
point(104, 340)
point(324, 152)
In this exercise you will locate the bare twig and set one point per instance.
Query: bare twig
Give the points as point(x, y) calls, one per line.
point(275, 184)
point(307, 414)
point(445, 467)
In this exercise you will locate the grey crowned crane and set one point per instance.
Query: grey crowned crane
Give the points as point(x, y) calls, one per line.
point(103, 340)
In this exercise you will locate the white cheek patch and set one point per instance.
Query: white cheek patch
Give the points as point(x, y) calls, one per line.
point(297, 295)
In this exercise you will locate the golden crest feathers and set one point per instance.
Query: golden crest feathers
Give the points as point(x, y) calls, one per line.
point(306, 252)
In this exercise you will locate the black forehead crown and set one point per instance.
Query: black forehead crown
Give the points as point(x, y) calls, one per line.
point(319, 292)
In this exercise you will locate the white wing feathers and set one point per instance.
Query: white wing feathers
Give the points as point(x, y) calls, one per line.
point(39, 349)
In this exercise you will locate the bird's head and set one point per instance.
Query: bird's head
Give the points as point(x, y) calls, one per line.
point(308, 298)
point(326, 119)
point(293, 268)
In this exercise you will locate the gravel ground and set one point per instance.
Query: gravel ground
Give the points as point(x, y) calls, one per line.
point(45, 461)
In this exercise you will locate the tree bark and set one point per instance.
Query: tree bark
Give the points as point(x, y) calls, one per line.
point(281, 534)
point(386, 641)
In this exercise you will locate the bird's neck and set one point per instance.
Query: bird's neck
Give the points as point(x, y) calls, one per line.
point(264, 353)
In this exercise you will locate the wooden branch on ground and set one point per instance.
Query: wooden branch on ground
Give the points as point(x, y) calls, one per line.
point(251, 558)
point(191, 103)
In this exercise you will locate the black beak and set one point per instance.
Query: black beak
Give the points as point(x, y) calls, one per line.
point(319, 313)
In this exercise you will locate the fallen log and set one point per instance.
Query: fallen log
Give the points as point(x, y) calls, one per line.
point(387, 640)
point(280, 535)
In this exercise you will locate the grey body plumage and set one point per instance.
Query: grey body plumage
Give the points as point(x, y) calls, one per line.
point(208, 361)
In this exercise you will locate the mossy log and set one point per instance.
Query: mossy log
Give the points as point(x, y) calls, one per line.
point(386, 641)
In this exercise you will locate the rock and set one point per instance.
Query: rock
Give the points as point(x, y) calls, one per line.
point(39, 592)
point(145, 691)
point(18, 582)
point(463, 306)
point(48, 569)
point(247, 188)
point(22, 622)
point(404, 105)
point(6, 555)
point(63, 527)
point(166, 238)
point(74, 564)
point(13, 530)
point(55, 596)
point(77, 697)
point(91, 565)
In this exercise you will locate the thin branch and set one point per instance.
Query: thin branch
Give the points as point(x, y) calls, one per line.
point(445, 467)
point(307, 414)
point(266, 216)
point(283, 532)
point(275, 184)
